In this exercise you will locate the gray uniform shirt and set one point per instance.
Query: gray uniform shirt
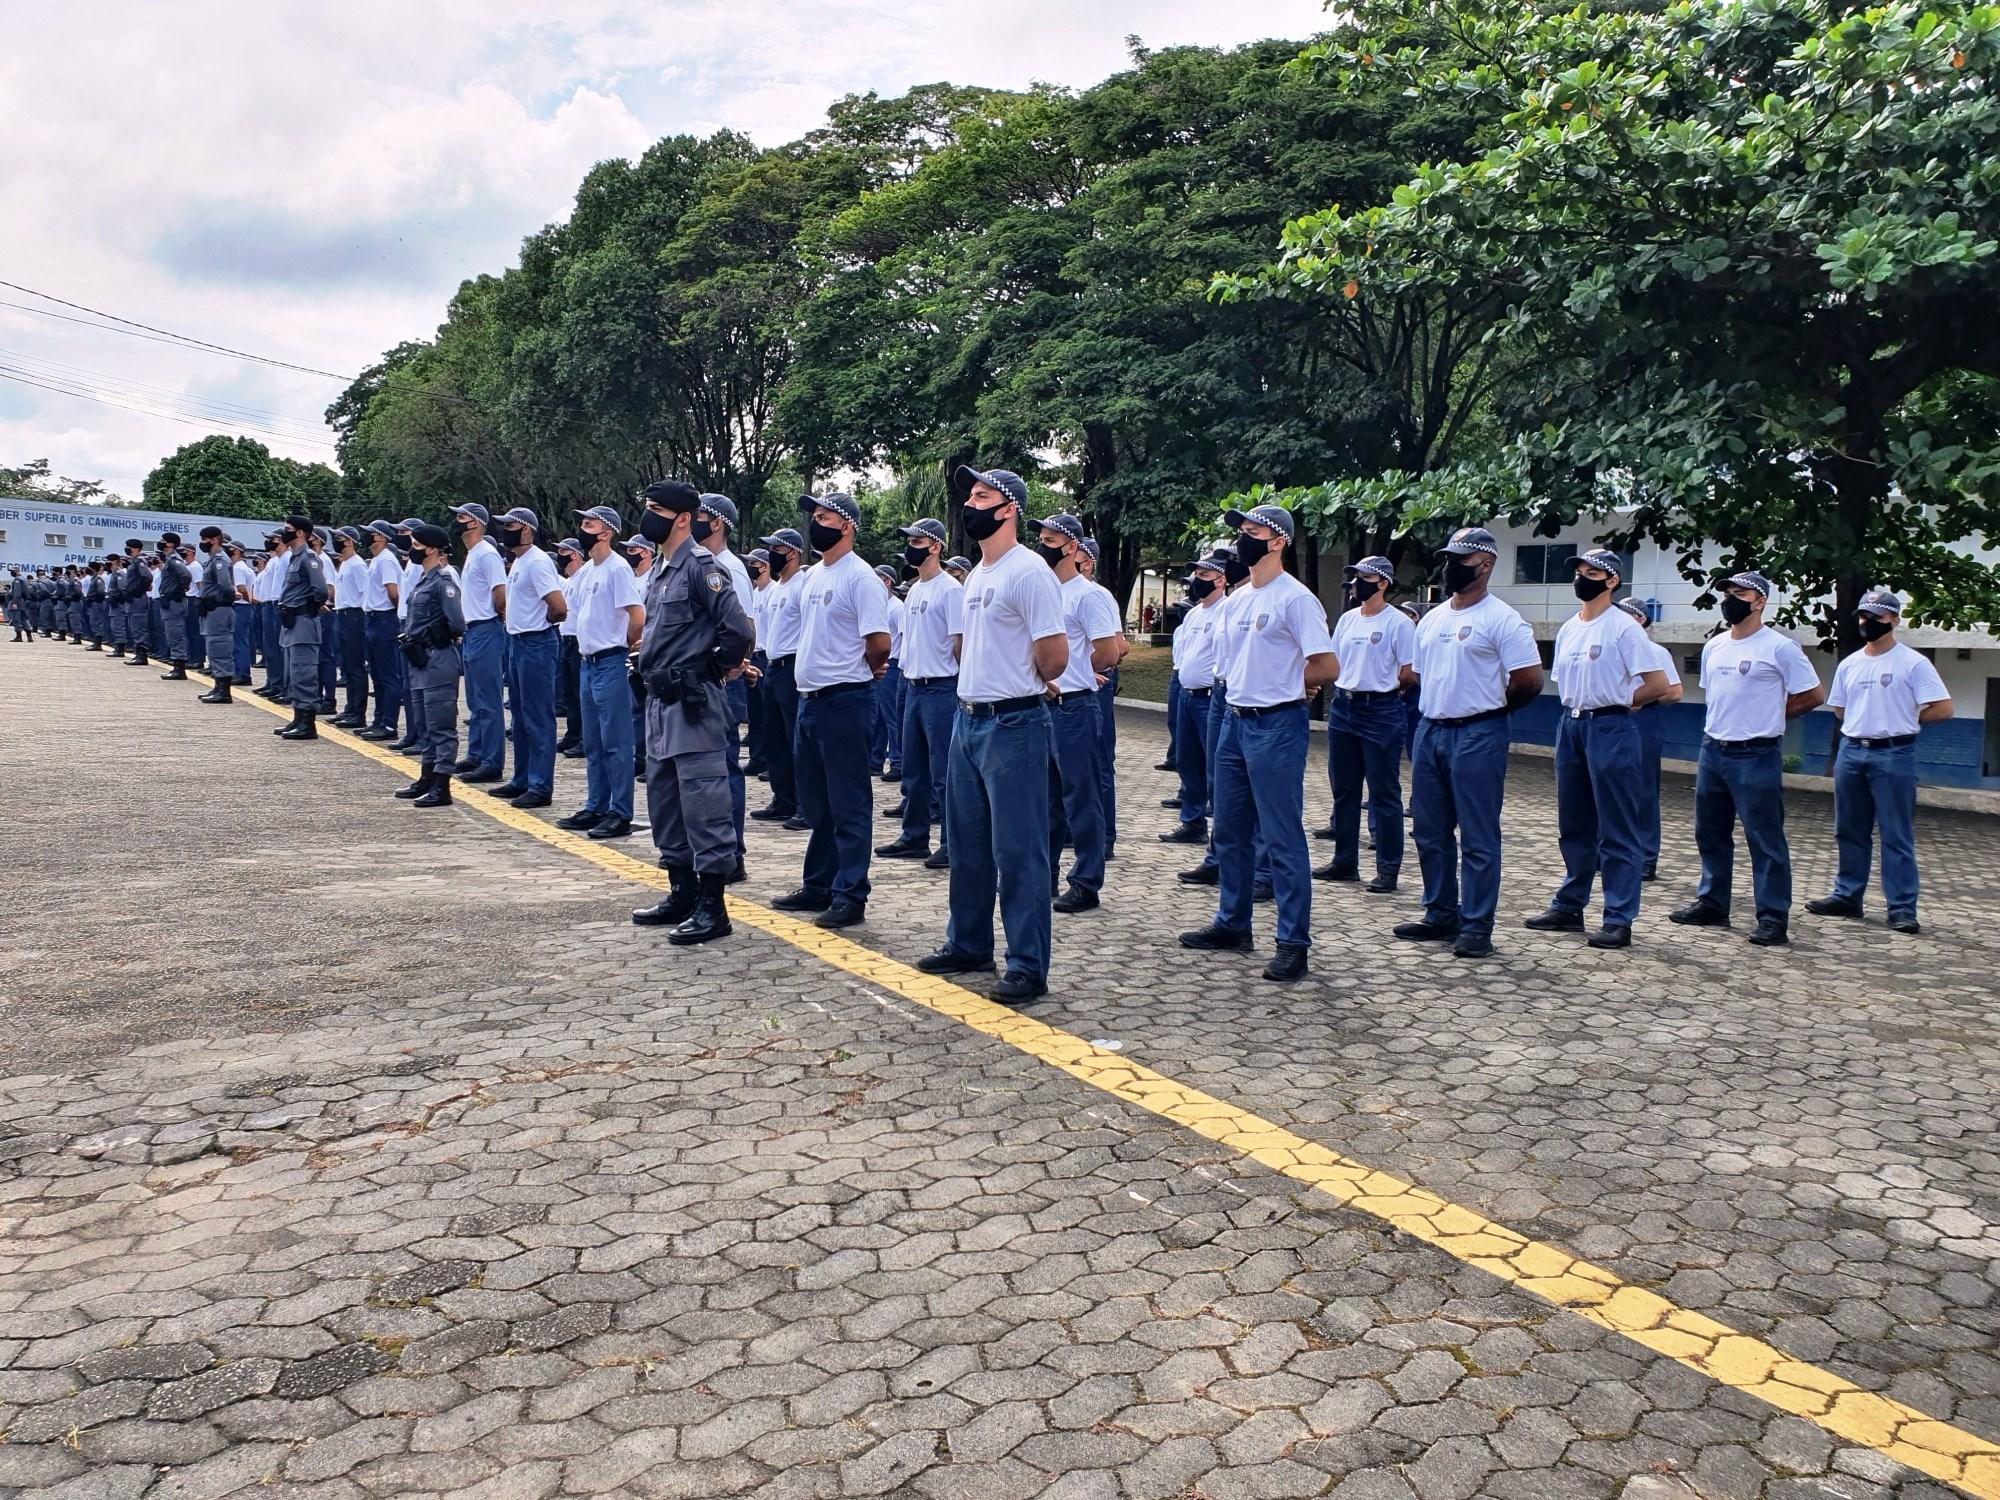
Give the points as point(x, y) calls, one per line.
point(691, 612)
point(305, 591)
point(437, 614)
point(218, 579)
point(175, 578)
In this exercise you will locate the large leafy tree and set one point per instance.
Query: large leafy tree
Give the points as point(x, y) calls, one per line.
point(1753, 249)
point(225, 476)
point(37, 478)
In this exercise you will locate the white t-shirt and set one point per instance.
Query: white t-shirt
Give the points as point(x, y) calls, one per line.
point(530, 580)
point(567, 626)
point(350, 582)
point(1373, 649)
point(1881, 694)
point(1463, 657)
point(781, 615)
point(932, 615)
point(1747, 682)
point(1194, 642)
point(1658, 658)
point(1088, 615)
point(895, 629)
point(485, 570)
point(840, 604)
point(273, 576)
point(412, 571)
point(1009, 605)
point(246, 578)
point(1271, 633)
point(1598, 662)
point(739, 576)
point(383, 570)
point(599, 593)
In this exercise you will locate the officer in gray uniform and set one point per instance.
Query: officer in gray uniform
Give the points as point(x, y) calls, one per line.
point(73, 603)
point(114, 604)
point(217, 608)
point(433, 627)
point(176, 578)
point(299, 609)
point(696, 634)
point(137, 603)
point(93, 606)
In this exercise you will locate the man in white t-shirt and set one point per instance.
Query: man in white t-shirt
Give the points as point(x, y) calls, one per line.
point(245, 613)
point(756, 740)
point(778, 633)
point(933, 625)
point(1881, 694)
point(1194, 646)
point(1107, 701)
point(1476, 662)
point(535, 607)
point(1076, 806)
point(484, 592)
point(1755, 681)
point(1365, 724)
point(569, 672)
point(609, 611)
point(1652, 735)
point(997, 791)
point(885, 736)
point(1275, 654)
point(381, 588)
point(843, 643)
point(1604, 672)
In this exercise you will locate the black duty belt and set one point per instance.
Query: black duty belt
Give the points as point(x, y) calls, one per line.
point(951, 681)
point(1346, 693)
point(1079, 693)
point(1491, 713)
point(783, 661)
point(1002, 706)
point(837, 688)
point(1188, 692)
point(1609, 711)
point(1888, 742)
point(1272, 708)
point(607, 651)
point(1767, 742)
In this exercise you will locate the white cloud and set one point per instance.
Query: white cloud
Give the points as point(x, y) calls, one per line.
point(312, 182)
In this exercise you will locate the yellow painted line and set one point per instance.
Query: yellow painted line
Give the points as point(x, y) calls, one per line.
point(1899, 1432)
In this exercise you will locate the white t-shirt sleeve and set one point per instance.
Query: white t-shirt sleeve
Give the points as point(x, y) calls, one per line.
point(1925, 682)
point(871, 605)
point(1798, 672)
point(1308, 622)
point(1516, 643)
point(1041, 605)
point(1099, 614)
point(952, 603)
point(626, 589)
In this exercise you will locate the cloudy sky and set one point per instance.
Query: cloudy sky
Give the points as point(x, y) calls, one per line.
point(311, 182)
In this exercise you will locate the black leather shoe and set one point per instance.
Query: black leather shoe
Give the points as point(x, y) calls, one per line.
point(676, 906)
point(1769, 935)
point(737, 874)
point(532, 800)
point(438, 796)
point(1289, 962)
point(1192, 832)
point(1076, 898)
point(304, 729)
point(465, 768)
point(802, 900)
point(569, 747)
point(796, 823)
point(775, 813)
point(1262, 893)
point(1015, 987)
point(583, 817)
point(904, 849)
point(1336, 873)
point(1214, 939)
point(1381, 885)
point(609, 827)
point(1323, 833)
point(951, 961)
point(1424, 932)
point(505, 790)
point(894, 773)
point(1652, 870)
point(482, 776)
point(941, 860)
point(1200, 875)
point(416, 788)
point(710, 918)
point(1469, 946)
point(1909, 925)
point(1555, 919)
point(842, 914)
point(893, 814)
point(377, 733)
point(1700, 914)
point(1166, 765)
point(1170, 802)
point(1608, 936)
point(1834, 906)
point(178, 674)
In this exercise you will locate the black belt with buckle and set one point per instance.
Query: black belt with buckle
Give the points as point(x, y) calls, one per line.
point(1344, 693)
point(1079, 693)
point(1270, 708)
point(1491, 713)
point(1196, 692)
point(1001, 706)
point(838, 687)
point(1766, 742)
point(928, 681)
point(1890, 742)
point(608, 651)
point(782, 661)
point(1610, 710)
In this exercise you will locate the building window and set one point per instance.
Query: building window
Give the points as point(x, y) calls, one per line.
point(93, 544)
point(1548, 562)
point(55, 539)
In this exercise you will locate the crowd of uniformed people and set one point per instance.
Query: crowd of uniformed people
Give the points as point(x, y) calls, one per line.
point(985, 687)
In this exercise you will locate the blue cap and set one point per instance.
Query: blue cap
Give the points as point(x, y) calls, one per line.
point(604, 515)
point(964, 564)
point(1214, 562)
point(1090, 546)
point(1006, 481)
point(720, 505)
point(1274, 516)
point(886, 573)
point(1880, 601)
point(1062, 521)
point(638, 539)
point(378, 526)
point(475, 510)
point(758, 554)
point(520, 515)
point(785, 537)
point(1756, 582)
point(927, 528)
point(1468, 540)
point(1602, 558)
point(839, 503)
point(1636, 610)
point(570, 544)
point(1374, 567)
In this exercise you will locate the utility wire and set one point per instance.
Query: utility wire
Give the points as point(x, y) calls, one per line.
point(144, 411)
point(55, 369)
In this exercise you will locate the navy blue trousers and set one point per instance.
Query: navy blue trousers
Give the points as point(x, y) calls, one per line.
point(1652, 743)
point(833, 789)
point(1191, 758)
point(782, 735)
point(485, 727)
point(1364, 747)
point(930, 708)
point(1174, 720)
point(606, 691)
point(383, 666)
point(1601, 796)
point(1458, 778)
point(1107, 758)
point(1877, 790)
point(532, 658)
point(1743, 783)
point(996, 811)
point(1075, 806)
point(1260, 783)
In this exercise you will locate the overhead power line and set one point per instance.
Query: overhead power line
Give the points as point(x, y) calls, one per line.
point(210, 422)
point(307, 428)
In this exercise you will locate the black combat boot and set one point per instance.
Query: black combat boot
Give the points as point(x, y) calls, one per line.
point(711, 915)
point(304, 729)
point(178, 674)
point(217, 694)
point(417, 788)
point(676, 906)
point(284, 729)
point(138, 658)
point(440, 793)
point(118, 651)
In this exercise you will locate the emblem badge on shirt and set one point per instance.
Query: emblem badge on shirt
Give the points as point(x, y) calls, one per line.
point(1465, 632)
point(1595, 652)
point(1374, 637)
point(1888, 678)
point(450, 592)
point(1743, 669)
point(1262, 621)
point(715, 583)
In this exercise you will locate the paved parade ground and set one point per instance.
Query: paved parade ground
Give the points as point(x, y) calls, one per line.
point(348, 1150)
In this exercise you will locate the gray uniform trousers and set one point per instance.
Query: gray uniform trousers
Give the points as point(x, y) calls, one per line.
point(300, 641)
point(139, 621)
point(218, 633)
point(687, 786)
point(173, 620)
point(434, 708)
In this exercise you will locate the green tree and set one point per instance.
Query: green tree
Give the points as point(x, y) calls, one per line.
point(222, 476)
point(1754, 249)
point(36, 478)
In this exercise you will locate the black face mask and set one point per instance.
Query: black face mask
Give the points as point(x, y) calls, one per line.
point(1735, 610)
point(510, 536)
point(823, 537)
point(915, 556)
point(1251, 550)
point(980, 524)
point(654, 527)
point(459, 525)
point(1365, 589)
point(1200, 589)
point(1233, 573)
point(779, 562)
point(1873, 627)
point(1053, 556)
point(701, 530)
point(756, 575)
point(288, 537)
point(418, 554)
point(1459, 576)
point(1588, 589)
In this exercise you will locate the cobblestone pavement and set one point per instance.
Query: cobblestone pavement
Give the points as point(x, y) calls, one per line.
point(351, 1151)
